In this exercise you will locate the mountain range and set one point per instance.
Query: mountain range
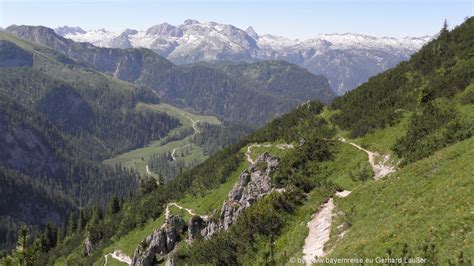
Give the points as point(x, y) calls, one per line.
point(347, 60)
point(242, 92)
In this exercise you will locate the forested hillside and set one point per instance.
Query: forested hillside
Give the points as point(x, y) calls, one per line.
point(253, 93)
point(441, 69)
point(83, 102)
point(57, 120)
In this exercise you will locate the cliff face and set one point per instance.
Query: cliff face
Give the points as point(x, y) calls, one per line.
point(161, 242)
point(252, 185)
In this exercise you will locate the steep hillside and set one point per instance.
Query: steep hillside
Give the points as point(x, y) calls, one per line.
point(57, 119)
point(83, 102)
point(202, 89)
point(425, 206)
point(40, 204)
point(43, 175)
point(441, 69)
point(275, 89)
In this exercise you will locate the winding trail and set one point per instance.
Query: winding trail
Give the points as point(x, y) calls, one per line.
point(118, 255)
point(194, 125)
point(320, 223)
point(196, 130)
point(380, 168)
point(173, 156)
point(279, 146)
point(167, 211)
point(319, 229)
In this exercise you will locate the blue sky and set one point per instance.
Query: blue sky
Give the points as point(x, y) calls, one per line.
point(291, 18)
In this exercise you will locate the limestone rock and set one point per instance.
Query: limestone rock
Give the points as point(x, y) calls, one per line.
point(161, 242)
point(253, 184)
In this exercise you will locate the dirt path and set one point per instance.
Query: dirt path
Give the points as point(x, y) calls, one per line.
point(319, 229)
point(196, 130)
point(279, 146)
point(381, 168)
point(173, 156)
point(118, 255)
point(194, 125)
point(167, 211)
point(148, 170)
point(320, 224)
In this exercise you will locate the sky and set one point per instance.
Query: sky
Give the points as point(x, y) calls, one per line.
point(291, 18)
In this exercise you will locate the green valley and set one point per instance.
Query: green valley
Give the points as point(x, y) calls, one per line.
point(139, 159)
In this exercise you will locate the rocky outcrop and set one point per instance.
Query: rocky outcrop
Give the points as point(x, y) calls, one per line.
point(161, 242)
point(88, 246)
point(195, 225)
point(253, 184)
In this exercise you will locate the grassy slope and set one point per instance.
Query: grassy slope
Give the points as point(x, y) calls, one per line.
point(129, 242)
point(382, 140)
point(256, 151)
point(291, 240)
point(429, 199)
point(138, 159)
point(214, 199)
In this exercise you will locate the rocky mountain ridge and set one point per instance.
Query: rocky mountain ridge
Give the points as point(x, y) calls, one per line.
point(346, 59)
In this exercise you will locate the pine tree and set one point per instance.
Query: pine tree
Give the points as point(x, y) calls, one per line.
point(22, 238)
point(51, 234)
point(82, 220)
point(72, 224)
point(113, 206)
point(444, 29)
point(95, 217)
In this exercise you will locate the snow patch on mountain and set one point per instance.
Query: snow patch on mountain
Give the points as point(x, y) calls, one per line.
point(346, 59)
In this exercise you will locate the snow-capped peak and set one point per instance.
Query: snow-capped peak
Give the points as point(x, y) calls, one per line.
point(250, 31)
point(352, 40)
point(65, 30)
point(340, 57)
point(211, 35)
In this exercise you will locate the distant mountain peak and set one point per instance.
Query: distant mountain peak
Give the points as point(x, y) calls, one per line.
point(250, 31)
point(66, 30)
point(191, 21)
point(347, 59)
